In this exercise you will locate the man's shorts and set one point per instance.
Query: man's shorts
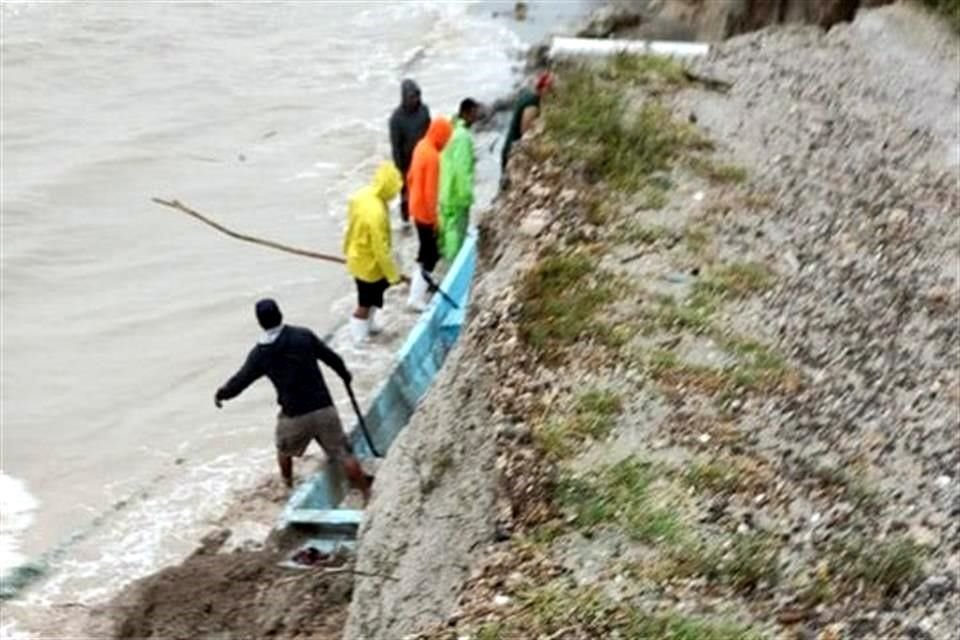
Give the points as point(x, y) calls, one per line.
point(323, 425)
point(370, 294)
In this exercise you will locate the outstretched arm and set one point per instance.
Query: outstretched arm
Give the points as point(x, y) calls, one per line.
point(328, 356)
point(247, 375)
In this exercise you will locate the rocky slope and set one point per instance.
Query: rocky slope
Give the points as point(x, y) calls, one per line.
point(711, 384)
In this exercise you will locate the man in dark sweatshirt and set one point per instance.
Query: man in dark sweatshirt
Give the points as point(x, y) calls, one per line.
point(288, 356)
point(407, 125)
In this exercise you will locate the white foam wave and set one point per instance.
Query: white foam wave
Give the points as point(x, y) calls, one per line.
point(17, 507)
point(152, 530)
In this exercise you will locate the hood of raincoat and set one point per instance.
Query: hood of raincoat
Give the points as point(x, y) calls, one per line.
point(408, 88)
point(439, 132)
point(387, 181)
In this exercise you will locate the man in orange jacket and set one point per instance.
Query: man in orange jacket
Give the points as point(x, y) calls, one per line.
point(423, 185)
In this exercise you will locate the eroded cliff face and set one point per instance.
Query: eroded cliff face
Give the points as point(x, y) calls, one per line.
point(710, 20)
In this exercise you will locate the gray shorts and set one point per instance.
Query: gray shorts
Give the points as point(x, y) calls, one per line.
point(323, 425)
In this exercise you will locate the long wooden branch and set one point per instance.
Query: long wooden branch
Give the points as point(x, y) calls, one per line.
point(179, 206)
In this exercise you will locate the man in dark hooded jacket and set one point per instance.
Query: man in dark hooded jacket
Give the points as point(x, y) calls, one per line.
point(287, 356)
point(407, 125)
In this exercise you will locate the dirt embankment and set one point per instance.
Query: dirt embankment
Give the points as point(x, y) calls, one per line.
point(711, 384)
point(712, 21)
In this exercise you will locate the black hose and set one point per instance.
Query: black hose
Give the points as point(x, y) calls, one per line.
point(361, 421)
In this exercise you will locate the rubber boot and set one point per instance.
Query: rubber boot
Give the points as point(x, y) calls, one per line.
point(374, 327)
point(359, 329)
point(418, 291)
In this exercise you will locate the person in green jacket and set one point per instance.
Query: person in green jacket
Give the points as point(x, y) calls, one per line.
point(525, 113)
point(456, 181)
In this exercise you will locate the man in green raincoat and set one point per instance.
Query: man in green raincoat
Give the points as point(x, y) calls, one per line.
point(456, 181)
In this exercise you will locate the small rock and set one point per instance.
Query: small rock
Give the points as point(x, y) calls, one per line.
point(501, 600)
point(924, 536)
point(534, 223)
point(698, 196)
point(793, 264)
point(937, 586)
point(539, 191)
point(897, 217)
point(704, 438)
point(917, 632)
point(943, 481)
point(246, 536)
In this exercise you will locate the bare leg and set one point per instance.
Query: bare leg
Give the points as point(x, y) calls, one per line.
point(356, 477)
point(285, 463)
point(361, 312)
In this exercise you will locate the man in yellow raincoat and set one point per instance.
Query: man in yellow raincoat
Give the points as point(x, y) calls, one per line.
point(456, 181)
point(367, 245)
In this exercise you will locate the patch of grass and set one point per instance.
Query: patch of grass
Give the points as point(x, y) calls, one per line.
point(758, 367)
point(884, 568)
point(724, 283)
point(849, 479)
point(713, 475)
point(619, 495)
point(667, 368)
point(593, 417)
point(727, 474)
point(652, 197)
point(717, 171)
point(646, 69)
point(752, 560)
point(560, 600)
point(696, 239)
point(637, 233)
point(597, 211)
point(587, 120)
point(680, 627)
point(559, 298)
point(584, 611)
point(734, 280)
point(490, 631)
point(817, 591)
point(749, 561)
point(692, 314)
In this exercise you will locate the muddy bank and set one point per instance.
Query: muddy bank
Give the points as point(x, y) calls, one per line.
point(249, 596)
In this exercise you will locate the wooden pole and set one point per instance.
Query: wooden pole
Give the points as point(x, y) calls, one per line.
point(179, 206)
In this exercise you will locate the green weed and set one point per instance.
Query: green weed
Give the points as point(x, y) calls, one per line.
point(717, 171)
point(646, 69)
point(559, 298)
point(561, 605)
point(619, 495)
point(750, 560)
point(883, 567)
point(587, 120)
point(636, 233)
point(593, 418)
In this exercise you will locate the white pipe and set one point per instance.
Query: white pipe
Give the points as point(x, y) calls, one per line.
point(575, 47)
